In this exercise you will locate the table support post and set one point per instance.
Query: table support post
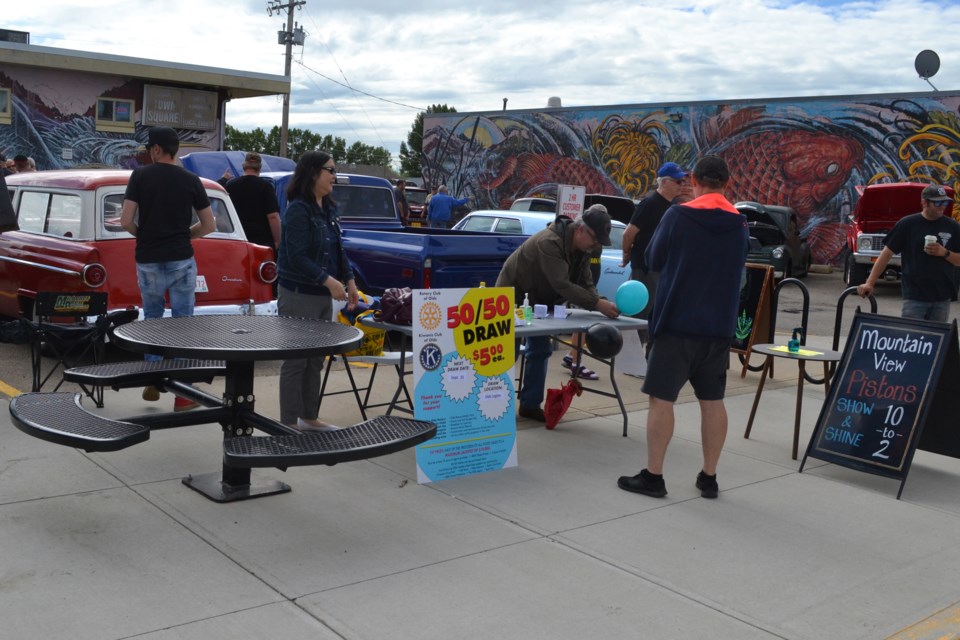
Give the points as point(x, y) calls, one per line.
point(796, 421)
point(234, 483)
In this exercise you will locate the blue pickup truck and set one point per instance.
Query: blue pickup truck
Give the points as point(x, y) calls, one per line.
point(382, 251)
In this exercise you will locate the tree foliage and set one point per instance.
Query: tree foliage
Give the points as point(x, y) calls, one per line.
point(300, 141)
point(411, 152)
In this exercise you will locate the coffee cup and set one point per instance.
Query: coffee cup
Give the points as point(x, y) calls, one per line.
point(929, 240)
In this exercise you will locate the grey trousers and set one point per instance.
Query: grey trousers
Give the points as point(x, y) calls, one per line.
point(300, 379)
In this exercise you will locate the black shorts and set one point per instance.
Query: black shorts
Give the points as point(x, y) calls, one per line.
point(673, 361)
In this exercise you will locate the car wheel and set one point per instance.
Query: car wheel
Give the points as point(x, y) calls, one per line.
point(806, 269)
point(854, 274)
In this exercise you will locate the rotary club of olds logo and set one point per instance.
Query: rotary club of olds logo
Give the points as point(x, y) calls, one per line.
point(430, 316)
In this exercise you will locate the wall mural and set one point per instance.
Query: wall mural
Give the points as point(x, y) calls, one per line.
point(46, 123)
point(808, 154)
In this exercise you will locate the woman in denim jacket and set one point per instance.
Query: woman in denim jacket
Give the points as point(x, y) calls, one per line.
point(313, 270)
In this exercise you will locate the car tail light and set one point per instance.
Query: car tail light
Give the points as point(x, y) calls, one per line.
point(268, 271)
point(427, 273)
point(94, 275)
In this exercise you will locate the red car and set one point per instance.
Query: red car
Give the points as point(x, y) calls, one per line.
point(70, 239)
point(879, 208)
point(415, 198)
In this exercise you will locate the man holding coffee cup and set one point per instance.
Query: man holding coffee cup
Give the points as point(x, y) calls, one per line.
point(928, 243)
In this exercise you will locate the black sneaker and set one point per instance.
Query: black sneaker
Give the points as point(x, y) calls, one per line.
point(707, 485)
point(532, 413)
point(645, 483)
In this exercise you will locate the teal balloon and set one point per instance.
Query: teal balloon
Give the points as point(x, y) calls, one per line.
point(632, 297)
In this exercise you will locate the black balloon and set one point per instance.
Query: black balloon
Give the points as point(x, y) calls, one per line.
point(604, 340)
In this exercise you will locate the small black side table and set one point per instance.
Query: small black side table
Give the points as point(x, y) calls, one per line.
point(806, 354)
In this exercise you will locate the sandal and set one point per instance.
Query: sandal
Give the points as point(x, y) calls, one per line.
point(583, 372)
point(586, 374)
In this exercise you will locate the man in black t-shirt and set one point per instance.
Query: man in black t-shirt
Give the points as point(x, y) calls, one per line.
point(157, 209)
point(256, 202)
point(928, 243)
point(646, 216)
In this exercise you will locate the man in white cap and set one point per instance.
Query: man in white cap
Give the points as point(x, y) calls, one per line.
point(671, 179)
point(928, 243)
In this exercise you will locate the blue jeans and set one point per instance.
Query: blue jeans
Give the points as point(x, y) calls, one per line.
point(155, 279)
point(535, 371)
point(935, 311)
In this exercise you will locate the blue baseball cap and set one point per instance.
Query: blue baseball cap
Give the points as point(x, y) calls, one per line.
point(671, 170)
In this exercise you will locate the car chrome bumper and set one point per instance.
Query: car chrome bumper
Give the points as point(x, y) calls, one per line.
point(262, 309)
point(870, 258)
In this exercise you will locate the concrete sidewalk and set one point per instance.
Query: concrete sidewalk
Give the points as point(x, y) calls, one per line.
point(112, 545)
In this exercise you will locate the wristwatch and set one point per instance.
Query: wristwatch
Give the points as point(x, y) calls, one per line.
point(946, 256)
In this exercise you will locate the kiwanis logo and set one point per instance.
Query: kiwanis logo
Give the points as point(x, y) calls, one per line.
point(430, 356)
point(430, 316)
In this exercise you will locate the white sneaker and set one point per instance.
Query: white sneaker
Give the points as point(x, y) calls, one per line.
point(315, 425)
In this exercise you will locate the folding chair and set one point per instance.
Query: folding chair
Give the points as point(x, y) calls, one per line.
point(71, 343)
point(386, 358)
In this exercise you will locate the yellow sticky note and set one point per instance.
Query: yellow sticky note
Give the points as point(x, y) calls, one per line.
point(802, 352)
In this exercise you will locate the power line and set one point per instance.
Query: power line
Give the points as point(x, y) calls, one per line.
point(342, 117)
point(355, 97)
point(369, 95)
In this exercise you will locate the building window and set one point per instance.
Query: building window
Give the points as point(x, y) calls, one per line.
point(114, 115)
point(6, 106)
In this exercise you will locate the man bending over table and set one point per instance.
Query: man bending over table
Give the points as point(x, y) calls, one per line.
point(553, 267)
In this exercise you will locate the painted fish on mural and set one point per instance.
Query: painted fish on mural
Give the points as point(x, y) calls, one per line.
point(798, 169)
point(773, 162)
point(518, 174)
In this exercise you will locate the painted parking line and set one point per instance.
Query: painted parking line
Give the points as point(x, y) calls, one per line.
point(943, 625)
point(9, 391)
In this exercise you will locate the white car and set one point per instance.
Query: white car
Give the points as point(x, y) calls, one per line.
point(612, 275)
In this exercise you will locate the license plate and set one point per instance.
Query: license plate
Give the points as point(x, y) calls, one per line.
point(201, 285)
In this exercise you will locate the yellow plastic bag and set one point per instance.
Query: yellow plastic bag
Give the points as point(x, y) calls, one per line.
point(372, 344)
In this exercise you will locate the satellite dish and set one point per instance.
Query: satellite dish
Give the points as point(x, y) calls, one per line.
point(927, 63)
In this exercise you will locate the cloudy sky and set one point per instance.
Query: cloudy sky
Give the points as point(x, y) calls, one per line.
point(369, 66)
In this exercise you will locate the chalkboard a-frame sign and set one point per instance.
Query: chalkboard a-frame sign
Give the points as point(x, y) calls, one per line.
point(896, 389)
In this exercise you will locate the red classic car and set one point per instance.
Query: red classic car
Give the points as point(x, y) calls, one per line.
point(70, 239)
point(879, 208)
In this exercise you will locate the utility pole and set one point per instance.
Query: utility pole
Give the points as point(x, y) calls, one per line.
point(292, 36)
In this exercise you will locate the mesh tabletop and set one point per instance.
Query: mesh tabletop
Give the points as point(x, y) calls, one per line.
point(237, 338)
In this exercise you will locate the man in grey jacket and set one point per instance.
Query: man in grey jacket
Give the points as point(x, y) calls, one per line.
point(553, 267)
